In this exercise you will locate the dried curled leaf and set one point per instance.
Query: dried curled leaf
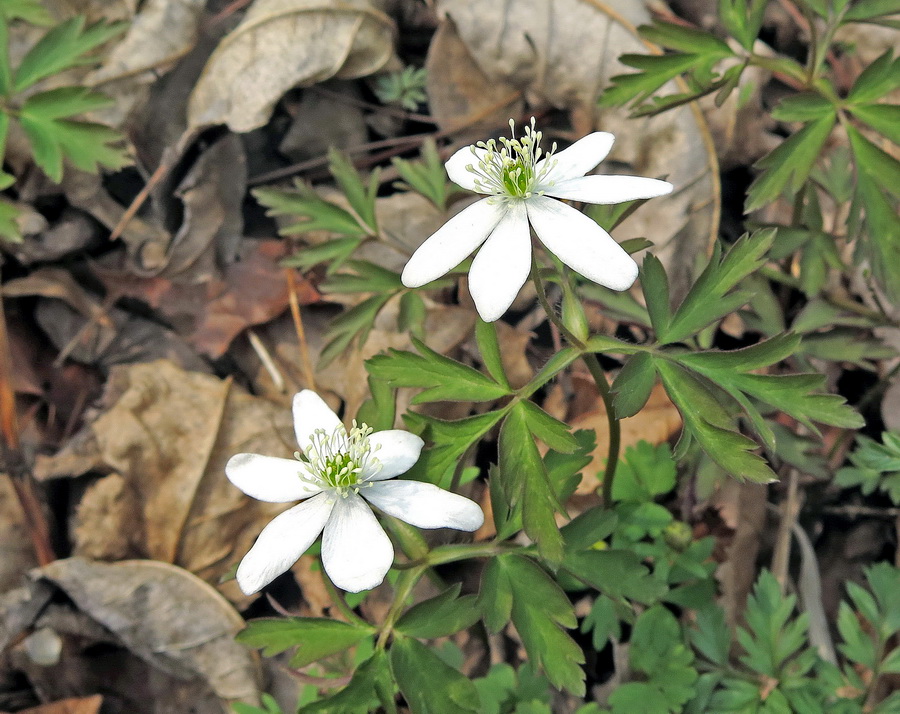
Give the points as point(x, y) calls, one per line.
point(282, 44)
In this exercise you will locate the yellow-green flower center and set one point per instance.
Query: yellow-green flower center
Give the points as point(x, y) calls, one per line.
point(513, 169)
point(342, 461)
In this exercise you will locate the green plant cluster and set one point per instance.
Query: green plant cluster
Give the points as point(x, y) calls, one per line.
point(35, 96)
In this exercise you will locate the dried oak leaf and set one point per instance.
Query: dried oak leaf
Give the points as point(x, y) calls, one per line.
point(282, 44)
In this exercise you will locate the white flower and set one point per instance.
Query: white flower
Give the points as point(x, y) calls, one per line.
point(518, 178)
point(340, 467)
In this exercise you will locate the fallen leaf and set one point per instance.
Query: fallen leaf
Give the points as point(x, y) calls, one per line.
point(459, 91)
point(167, 433)
point(282, 44)
point(324, 119)
point(160, 34)
point(657, 422)
point(16, 551)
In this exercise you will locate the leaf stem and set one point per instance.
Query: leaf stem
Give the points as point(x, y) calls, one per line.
point(405, 583)
point(593, 365)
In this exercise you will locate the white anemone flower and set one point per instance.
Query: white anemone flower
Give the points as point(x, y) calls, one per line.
point(519, 179)
point(341, 469)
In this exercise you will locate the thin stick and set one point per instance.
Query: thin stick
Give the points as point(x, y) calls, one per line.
point(305, 361)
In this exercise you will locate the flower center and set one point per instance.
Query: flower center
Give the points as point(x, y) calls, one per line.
point(510, 169)
point(338, 459)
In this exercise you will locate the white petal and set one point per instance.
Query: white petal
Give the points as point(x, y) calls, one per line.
point(452, 242)
point(456, 167)
point(502, 265)
point(581, 157)
point(608, 189)
point(268, 478)
point(581, 244)
point(424, 505)
point(311, 413)
point(282, 542)
point(356, 551)
point(396, 450)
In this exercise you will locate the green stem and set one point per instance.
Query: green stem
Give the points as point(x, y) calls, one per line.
point(405, 583)
point(593, 365)
point(338, 600)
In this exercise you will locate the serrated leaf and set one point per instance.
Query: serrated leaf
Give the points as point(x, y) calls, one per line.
point(707, 421)
point(412, 314)
point(334, 252)
point(440, 616)
point(742, 22)
point(656, 71)
point(684, 39)
point(365, 278)
point(426, 176)
point(616, 573)
point(554, 433)
point(440, 378)
point(602, 622)
point(788, 166)
point(360, 196)
point(708, 299)
point(646, 471)
point(315, 637)
point(63, 102)
point(354, 323)
point(370, 679)
point(877, 80)
point(589, 528)
point(881, 167)
point(632, 386)
point(540, 610)
point(524, 480)
point(315, 213)
point(489, 347)
point(429, 685)
point(63, 47)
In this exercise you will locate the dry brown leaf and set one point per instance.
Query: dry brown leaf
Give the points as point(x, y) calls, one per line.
point(161, 33)
point(168, 433)
point(81, 705)
point(167, 617)
point(282, 44)
point(16, 550)
point(657, 422)
point(459, 90)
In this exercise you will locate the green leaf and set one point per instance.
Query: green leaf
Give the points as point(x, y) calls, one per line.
point(884, 118)
point(441, 378)
point(451, 440)
point(632, 386)
point(360, 196)
point(711, 636)
point(870, 9)
point(603, 622)
point(539, 610)
point(426, 176)
point(589, 529)
point(63, 102)
point(708, 299)
point(616, 573)
point(354, 323)
point(684, 39)
point(881, 167)
point(315, 214)
point(61, 48)
point(28, 10)
point(554, 433)
point(332, 252)
point(788, 166)
point(877, 80)
point(371, 681)
point(706, 420)
point(441, 616)
point(412, 314)
point(646, 471)
point(875, 466)
point(380, 410)
point(524, 480)
point(9, 226)
point(656, 71)
point(489, 347)
point(5, 69)
point(314, 637)
point(655, 286)
point(742, 22)
point(365, 278)
point(803, 107)
point(429, 685)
